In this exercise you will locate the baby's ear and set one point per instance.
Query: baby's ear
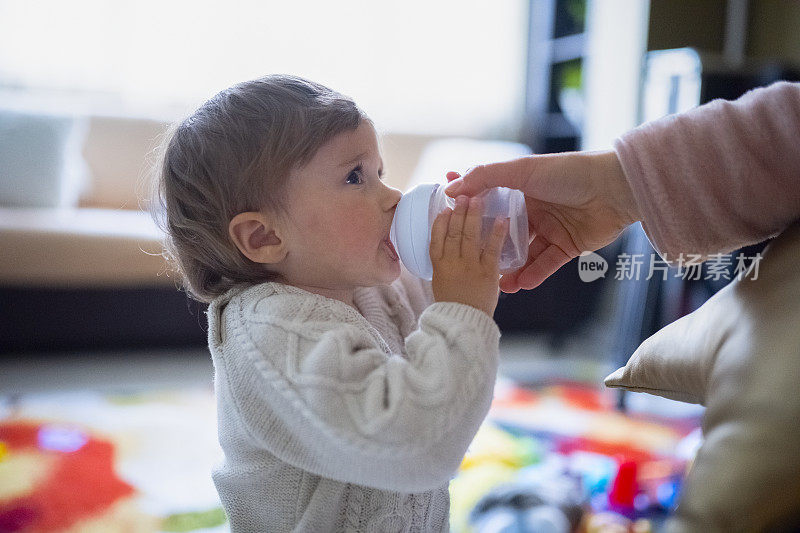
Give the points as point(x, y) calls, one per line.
point(254, 235)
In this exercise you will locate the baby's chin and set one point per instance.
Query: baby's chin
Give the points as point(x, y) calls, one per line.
point(395, 273)
point(387, 277)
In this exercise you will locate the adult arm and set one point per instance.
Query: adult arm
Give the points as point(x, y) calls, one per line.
point(706, 181)
point(719, 177)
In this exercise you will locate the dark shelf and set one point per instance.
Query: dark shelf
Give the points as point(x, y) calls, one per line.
point(558, 126)
point(556, 48)
point(570, 17)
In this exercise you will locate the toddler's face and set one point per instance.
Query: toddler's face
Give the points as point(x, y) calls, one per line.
point(339, 215)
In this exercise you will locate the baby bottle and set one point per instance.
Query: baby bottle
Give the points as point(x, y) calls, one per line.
point(418, 208)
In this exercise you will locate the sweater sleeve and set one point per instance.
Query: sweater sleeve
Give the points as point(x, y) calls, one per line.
point(323, 396)
point(719, 177)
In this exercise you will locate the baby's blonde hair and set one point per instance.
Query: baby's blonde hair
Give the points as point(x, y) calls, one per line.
point(232, 155)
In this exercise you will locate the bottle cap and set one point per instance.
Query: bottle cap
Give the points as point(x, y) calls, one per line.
point(410, 232)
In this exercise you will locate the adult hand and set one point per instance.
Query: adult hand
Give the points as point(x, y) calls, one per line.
point(576, 202)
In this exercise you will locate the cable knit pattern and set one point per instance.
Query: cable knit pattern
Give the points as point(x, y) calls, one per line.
point(718, 177)
point(337, 419)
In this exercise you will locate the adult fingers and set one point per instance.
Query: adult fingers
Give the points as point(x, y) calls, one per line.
point(508, 282)
point(452, 240)
point(438, 232)
point(544, 259)
point(542, 267)
point(511, 174)
point(471, 237)
point(537, 246)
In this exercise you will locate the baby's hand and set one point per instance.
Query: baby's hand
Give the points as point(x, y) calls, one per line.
point(462, 271)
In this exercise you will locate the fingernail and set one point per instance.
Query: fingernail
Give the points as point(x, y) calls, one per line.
point(453, 187)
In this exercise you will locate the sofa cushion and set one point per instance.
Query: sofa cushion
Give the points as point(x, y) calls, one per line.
point(40, 159)
point(83, 247)
point(738, 354)
point(119, 152)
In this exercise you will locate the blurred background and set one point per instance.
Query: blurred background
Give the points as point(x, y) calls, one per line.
point(99, 347)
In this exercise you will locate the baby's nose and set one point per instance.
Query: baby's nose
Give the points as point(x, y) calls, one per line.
point(393, 196)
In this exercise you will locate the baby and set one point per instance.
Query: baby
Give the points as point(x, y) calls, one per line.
point(347, 390)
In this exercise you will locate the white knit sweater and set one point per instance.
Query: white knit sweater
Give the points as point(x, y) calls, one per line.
point(335, 420)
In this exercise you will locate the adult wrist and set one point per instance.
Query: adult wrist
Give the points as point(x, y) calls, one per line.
point(621, 193)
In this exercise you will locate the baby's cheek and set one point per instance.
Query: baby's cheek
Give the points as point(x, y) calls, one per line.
point(355, 239)
point(348, 230)
point(354, 235)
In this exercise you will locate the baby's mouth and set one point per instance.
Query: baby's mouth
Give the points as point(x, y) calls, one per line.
point(390, 248)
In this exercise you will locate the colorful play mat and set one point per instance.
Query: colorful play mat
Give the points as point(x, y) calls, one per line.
point(555, 458)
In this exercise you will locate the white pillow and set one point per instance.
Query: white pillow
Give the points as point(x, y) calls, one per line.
point(40, 159)
point(739, 355)
point(676, 362)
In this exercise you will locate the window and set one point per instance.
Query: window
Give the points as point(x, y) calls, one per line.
point(451, 67)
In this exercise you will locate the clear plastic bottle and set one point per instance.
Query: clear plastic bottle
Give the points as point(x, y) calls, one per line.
point(413, 219)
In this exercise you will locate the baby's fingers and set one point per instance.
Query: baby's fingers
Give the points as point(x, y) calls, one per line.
point(470, 240)
point(452, 239)
point(438, 233)
point(494, 244)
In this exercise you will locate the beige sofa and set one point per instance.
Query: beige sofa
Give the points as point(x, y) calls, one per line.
point(107, 240)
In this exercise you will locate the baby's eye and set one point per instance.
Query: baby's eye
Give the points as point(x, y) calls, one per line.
point(354, 178)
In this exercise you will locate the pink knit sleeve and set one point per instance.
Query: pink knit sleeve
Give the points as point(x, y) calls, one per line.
point(721, 176)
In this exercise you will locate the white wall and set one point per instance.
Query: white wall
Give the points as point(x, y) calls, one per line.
point(617, 42)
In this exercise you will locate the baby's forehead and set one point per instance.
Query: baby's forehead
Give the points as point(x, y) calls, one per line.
point(349, 148)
